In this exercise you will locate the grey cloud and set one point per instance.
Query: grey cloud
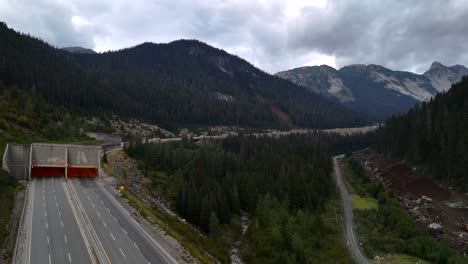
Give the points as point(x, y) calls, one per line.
point(48, 20)
point(398, 34)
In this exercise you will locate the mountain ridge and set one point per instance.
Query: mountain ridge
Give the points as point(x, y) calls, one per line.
point(185, 82)
point(366, 85)
point(80, 50)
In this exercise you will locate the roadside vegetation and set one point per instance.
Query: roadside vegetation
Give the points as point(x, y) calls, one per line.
point(8, 188)
point(194, 242)
point(363, 203)
point(388, 228)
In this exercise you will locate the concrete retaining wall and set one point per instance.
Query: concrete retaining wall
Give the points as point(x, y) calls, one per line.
point(16, 161)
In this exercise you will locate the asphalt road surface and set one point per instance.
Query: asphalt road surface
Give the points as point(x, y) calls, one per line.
point(352, 241)
point(121, 239)
point(55, 236)
point(56, 233)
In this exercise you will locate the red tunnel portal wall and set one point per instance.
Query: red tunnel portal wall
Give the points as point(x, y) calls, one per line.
point(48, 172)
point(82, 172)
point(60, 172)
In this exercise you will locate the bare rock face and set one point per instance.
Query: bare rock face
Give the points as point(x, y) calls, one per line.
point(373, 89)
point(442, 77)
point(321, 79)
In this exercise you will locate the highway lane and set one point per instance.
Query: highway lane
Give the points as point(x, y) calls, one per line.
point(55, 237)
point(118, 235)
point(352, 241)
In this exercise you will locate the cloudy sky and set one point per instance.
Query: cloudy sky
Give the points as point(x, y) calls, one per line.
point(274, 35)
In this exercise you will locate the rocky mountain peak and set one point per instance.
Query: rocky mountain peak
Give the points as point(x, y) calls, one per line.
point(437, 66)
point(375, 89)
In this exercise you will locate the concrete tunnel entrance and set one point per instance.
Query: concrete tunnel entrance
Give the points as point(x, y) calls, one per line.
point(52, 160)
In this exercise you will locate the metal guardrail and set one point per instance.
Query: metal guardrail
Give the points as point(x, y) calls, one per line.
point(4, 163)
point(110, 147)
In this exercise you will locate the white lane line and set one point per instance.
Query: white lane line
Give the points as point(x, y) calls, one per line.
point(60, 213)
point(115, 219)
point(124, 230)
point(87, 196)
point(98, 214)
point(46, 226)
point(112, 236)
point(48, 242)
point(121, 252)
point(55, 197)
point(45, 214)
point(66, 241)
point(104, 224)
point(102, 201)
point(93, 205)
point(136, 245)
point(108, 209)
point(31, 225)
point(43, 197)
point(50, 260)
point(44, 204)
point(61, 223)
point(69, 257)
point(56, 204)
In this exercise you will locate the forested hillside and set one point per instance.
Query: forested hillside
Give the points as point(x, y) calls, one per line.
point(433, 134)
point(183, 82)
point(282, 184)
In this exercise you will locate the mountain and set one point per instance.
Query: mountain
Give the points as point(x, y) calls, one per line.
point(433, 134)
point(373, 89)
point(184, 82)
point(320, 79)
point(79, 50)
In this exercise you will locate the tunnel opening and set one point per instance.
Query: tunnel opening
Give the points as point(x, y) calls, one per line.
point(82, 172)
point(37, 171)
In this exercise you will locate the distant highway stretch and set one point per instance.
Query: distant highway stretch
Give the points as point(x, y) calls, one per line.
point(352, 241)
point(341, 131)
point(78, 221)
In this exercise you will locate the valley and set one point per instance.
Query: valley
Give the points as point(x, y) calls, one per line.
point(233, 132)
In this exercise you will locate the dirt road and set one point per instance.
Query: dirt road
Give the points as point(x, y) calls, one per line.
point(352, 241)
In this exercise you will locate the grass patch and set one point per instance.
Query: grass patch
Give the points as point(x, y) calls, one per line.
point(194, 242)
point(7, 196)
point(363, 203)
point(399, 259)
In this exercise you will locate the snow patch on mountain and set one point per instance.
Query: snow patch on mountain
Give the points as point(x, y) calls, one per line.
point(336, 85)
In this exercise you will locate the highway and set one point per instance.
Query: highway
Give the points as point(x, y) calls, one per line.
point(54, 234)
point(78, 221)
point(121, 238)
point(352, 241)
